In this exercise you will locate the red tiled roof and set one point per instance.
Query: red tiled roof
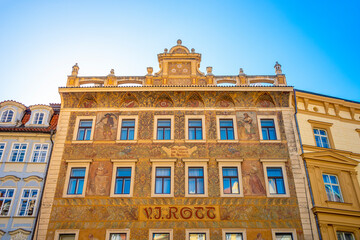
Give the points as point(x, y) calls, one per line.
point(25, 119)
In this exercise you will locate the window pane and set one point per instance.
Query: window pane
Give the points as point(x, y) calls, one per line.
point(123, 134)
point(267, 123)
point(131, 134)
point(118, 236)
point(158, 186)
point(67, 237)
point(128, 123)
point(164, 123)
point(226, 123)
point(223, 134)
point(191, 133)
point(85, 123)
point(127, 186)
point(160, 134)
point(191, 185)
point(235, 185)
point(272, 134)
point(333, 179)
point(88, 134)
point(326, 178)
point(196, 172)
point(197, 236)
point(123, 172)
point(283, 236)
point(167, 187)
point(226, 183)
point(274, 172)
point(194, 123)
point(230, 134)
point(280, 186)
point(161, 236)
point(165, 172)
point(167, 134)
point(229, 172)
point(80, 186)
point(198, 134)
point(72, 186)
point(233, 236)
point(200, 186)
point(119, 186)
point(272, 186)
point(265, 134)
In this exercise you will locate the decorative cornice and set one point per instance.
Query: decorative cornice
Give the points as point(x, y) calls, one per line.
point(19, 231)
point(33, 178)
point(10, 177)
point(320, 123)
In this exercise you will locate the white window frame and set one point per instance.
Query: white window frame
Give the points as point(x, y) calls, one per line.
point(233, 230)
point(66, 231)
point(198, 230)
point(127, 117)
point(280, 163)
point(2, 151)
point(230, 163)
point(162, 163)
point(110, 231)
point(327, 137)
point(34, 122)
point(123, 163)
point(5, 198)
point(12, 149)
point(13, 116)
point(337, 178)
point(196, 163)
point(76, 129)
point(21, 198)
point(33, 152)
point(226, 117)
point(283, 230)
point(277, 129)
point(152, 231)
point(76, 164)
point(203, 128)
point(172, 128)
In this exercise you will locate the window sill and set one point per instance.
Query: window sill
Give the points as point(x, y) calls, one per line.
point(278, 195)
point(82, 141)
point(126, 141)
point(196, 195)
point(162, 195)
point(195, 141)
point(163, 141)
point(335, 202)
point(120, 195)
point(73, 196)
point(270, 141)
point(231, 195)
point(227, 141)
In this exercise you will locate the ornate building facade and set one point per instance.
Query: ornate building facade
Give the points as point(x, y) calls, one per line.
point(25, 148)
point(176, 157)
point(330, 133)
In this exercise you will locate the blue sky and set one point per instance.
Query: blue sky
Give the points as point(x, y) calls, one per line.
point(316, 42)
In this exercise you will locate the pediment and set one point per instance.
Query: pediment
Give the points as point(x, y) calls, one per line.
point(330, 156)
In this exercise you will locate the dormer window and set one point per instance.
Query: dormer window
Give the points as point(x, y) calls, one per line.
point(7, 116)
point(38, 119)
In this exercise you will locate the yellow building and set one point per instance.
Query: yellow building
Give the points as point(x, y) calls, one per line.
point(330, 129)
point(176, 157)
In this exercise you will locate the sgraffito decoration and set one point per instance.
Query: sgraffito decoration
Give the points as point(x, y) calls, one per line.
point(253, 178)
point(225, 101)
point(194, 100)
point(129, 101)
point(248, 128)
point(99, 179)
point(106, 126)
point(88, 100)
point(265, 101)
point(164, 101)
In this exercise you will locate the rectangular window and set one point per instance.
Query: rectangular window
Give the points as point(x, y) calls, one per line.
point(127, 129)
point(84, 132)
point(230, 180)
point(39, 152)
point(2, 148)
point(332, 188)
point(76, 181)
point(161, 236)
point(28, 202)
point(345, 236)
point(163, 129)
point(275, 180)
point(197, 236)
point(6, 198)
point(123, 180)
point(233, 236)
point(67, 236)
point(163, 180)
point(196, 180)
point(18, 152)
point(117, 236)
point(284, 236)
point(38, 119)
point(226, 129)
point(268, 129)
point(195, 129)
point(321, 138)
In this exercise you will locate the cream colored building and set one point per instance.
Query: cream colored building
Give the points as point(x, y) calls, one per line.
point(330, 134)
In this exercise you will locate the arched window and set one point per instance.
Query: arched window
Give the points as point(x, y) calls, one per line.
point(38, 119)
point(7, 116)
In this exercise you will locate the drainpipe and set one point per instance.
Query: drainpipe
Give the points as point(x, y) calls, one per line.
point(306, 170)
point(43, 188)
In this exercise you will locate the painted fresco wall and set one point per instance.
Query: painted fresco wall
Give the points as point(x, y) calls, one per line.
point(98, 212)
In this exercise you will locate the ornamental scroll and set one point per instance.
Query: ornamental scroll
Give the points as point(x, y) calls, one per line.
point(171, 213)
